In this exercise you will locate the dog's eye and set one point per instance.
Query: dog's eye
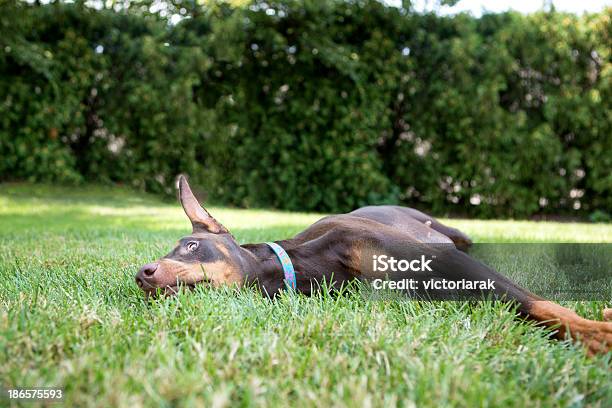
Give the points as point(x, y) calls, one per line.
point(192, 245)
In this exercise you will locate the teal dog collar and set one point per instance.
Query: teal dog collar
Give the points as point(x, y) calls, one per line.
point(283, 257)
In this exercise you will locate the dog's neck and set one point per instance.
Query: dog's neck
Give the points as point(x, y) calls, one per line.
point(262, 267)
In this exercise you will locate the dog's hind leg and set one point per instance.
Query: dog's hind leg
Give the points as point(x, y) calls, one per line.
point(404, 219)
point(455, 265)
point(461, 240)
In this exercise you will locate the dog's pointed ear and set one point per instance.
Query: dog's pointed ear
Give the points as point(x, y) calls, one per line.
point(201, 220)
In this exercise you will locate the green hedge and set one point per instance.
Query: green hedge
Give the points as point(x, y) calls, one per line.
point(324, 105)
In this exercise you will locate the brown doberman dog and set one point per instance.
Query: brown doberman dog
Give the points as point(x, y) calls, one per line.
point(338, 249)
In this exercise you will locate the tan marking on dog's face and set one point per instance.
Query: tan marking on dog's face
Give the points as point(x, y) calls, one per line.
point(174, 272)
point(217, 273)
point(222, 273)
point(222, 249)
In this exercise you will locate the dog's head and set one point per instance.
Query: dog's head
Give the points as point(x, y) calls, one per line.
point(210, 254)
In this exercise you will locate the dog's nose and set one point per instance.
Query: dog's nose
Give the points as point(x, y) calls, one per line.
point(149, 269)
point(146, 272)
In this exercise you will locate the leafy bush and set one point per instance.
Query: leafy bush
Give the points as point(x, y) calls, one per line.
point(323, 105)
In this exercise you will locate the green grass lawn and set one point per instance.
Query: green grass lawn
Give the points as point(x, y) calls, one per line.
point(71, 316)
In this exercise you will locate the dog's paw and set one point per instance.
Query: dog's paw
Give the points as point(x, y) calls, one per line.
point(607, 314)
point(595, 336)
